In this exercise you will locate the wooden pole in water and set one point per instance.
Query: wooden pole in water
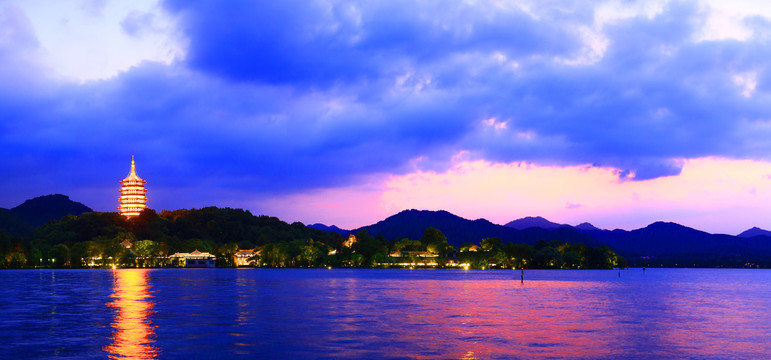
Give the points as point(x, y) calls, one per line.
point(522, 276)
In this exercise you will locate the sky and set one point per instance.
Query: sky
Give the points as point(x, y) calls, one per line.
point(617, 113)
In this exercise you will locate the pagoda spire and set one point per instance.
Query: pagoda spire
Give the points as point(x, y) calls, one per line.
point(132, 193)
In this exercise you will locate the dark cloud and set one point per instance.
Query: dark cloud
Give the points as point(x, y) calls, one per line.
point(326, 44)
point(654, 96)
point(283, 97)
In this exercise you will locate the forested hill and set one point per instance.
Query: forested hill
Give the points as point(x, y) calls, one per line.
point(11, 224)
point(23, 219)
point(412, 223)
point(97, 239)
point(181, 230)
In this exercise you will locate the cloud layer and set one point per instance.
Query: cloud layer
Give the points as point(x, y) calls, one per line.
point(273, 100)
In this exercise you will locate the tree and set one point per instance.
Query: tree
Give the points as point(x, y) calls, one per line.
point(16, 259)
point(600, 257)
point(275, 255)
point(378, 258)
point(357, 260)
point(522, 254)
point(112, 250)
point(548, 257)
point(432, 235)
point(35, 257)
point(148, 252)
point(466, 246)
point(79, 255)
point(246, 245)
point(198, 244)
point(490, 244)
point(437, 248)
point(149, 225)
point(406, 244)
point(310, 254)
point(572, 259)
point(368, 246)
point(127, 258)
point(497, 257)
point(61, 255)
point(621, 261)
point(226, 255)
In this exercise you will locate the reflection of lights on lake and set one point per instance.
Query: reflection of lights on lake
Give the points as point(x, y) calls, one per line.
point(132, 331)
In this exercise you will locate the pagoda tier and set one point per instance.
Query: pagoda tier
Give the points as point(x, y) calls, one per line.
point(132, 194)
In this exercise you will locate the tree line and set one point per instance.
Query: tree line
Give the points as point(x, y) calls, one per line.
point(94, 240)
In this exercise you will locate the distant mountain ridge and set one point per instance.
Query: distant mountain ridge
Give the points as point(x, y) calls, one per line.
point(755, 231)
point(530, 222)
point(667, 238)
point(331, 228)
point(412, 223)
point(655, 240)
point(22, 219)
point(586, 226)
point(539, 222)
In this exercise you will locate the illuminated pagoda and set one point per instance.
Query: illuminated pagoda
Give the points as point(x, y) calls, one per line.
point(132, 194)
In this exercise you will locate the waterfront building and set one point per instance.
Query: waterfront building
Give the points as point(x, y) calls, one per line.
point(473, 248)
point(193, 259)
point(413, 258)
point(132, 194)
point(351, 240)
point(242, 257)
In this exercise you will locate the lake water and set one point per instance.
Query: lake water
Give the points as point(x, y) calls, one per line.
point(377, 313)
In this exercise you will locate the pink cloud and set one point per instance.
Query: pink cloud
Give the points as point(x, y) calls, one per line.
point(711, 194)
point(347, 207)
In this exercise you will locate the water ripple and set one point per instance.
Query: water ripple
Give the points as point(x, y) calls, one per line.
point(294, 313)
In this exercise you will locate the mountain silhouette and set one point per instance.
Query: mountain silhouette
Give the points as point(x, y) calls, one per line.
point(412, 223)
point(42, 209)
point(531, 222)
point(755, 231)
point(585, 226)
point(332, 228)
point(667, 238)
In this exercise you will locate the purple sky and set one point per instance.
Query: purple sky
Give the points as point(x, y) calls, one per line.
point(619, 113)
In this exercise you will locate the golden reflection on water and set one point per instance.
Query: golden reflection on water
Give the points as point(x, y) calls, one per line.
point(132, 331)
point(245, 312)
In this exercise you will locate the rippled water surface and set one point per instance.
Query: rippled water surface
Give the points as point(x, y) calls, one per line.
point(365, 314)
